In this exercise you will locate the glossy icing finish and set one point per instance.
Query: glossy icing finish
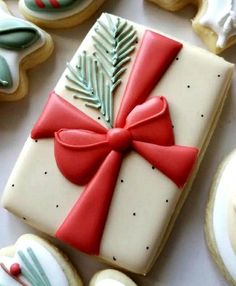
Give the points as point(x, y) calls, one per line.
point(220, 16)
point(147, 130)
point(224, 214)
point(53, 6)
point(17, 35)
point(16, 43)
point(46, 263)
point(154, 207)
point(78, 6)
point(5, 74)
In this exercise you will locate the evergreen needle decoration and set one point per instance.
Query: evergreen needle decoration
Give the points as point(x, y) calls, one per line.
point(32, 270)
point(95, 78)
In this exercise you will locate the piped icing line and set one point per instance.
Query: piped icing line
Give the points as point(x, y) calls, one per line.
point(95, 78)
point(56, 14)
point(220, 16)
point(14, 49)
point(37, 267)
point(224, 193)
point(8, 272)
point(40, 3)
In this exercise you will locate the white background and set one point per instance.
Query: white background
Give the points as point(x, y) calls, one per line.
point(185, 259)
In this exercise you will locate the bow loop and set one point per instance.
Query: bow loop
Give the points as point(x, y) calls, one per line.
point(79, 154)
point(150, 122)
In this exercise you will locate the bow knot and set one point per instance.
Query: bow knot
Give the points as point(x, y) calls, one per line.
point(119, 139)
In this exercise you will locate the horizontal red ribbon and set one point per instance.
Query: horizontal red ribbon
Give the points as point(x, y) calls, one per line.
point(89, 154)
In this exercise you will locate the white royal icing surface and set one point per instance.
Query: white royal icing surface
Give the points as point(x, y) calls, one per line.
point(83, 4)
point(221, 18)
point(49, 264)
point(111, 277)
point(225, 193)
point(128, 241)
point(14, 58)
point(109, 282)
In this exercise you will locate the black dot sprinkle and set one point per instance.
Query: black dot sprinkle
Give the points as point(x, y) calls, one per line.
point(122, 181)
point(218, 75)
point(202, 115)
point(13, 185)
point(167, 201)
point(147, 247)
point(45, 172)
point(36, 141)
point(188, 86)
point(24, 218)
point(153, 167)
point(134, 214)
point(57, 206)
point(173, 126)
point(177, 59)
point(99, 117)
point(114, 258)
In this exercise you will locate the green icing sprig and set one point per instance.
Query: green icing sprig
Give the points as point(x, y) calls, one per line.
point(32, 270)
point(91, 87)
point(113, 43)
point(95, 78)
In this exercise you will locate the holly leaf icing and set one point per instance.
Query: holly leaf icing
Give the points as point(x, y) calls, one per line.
point(5, 74)
point(17, 35)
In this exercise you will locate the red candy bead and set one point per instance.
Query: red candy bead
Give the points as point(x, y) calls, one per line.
point(15, 269)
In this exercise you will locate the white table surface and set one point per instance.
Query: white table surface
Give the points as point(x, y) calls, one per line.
point(185, 259)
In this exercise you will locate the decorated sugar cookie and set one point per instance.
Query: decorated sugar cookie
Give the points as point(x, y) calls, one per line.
point(59, 13)
point(111, 277)
point(33, 261)
point(221, 218)
point(215, 21)
point(113, 154)
point(22, 46)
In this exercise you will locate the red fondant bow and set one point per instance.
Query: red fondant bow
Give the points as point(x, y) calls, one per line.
point(89, 154)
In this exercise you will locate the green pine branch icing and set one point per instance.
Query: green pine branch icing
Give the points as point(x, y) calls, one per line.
point(32, 270)
point(95, 78)
point(17, 35)
point(5, 74)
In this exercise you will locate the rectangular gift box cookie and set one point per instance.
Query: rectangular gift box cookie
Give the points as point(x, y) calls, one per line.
point(113, 155)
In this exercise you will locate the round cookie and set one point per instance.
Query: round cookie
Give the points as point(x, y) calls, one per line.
point(22, 46)
point(58, 13)
point(215, 21)
point(221, 218)
point(110, 277)
point(34, 261)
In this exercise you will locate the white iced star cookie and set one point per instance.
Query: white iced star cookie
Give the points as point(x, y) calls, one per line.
point(215, 21)
point(221, 218)
point(33, 261)
point(110, 277)
point(22, 46)
point(58, 13)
